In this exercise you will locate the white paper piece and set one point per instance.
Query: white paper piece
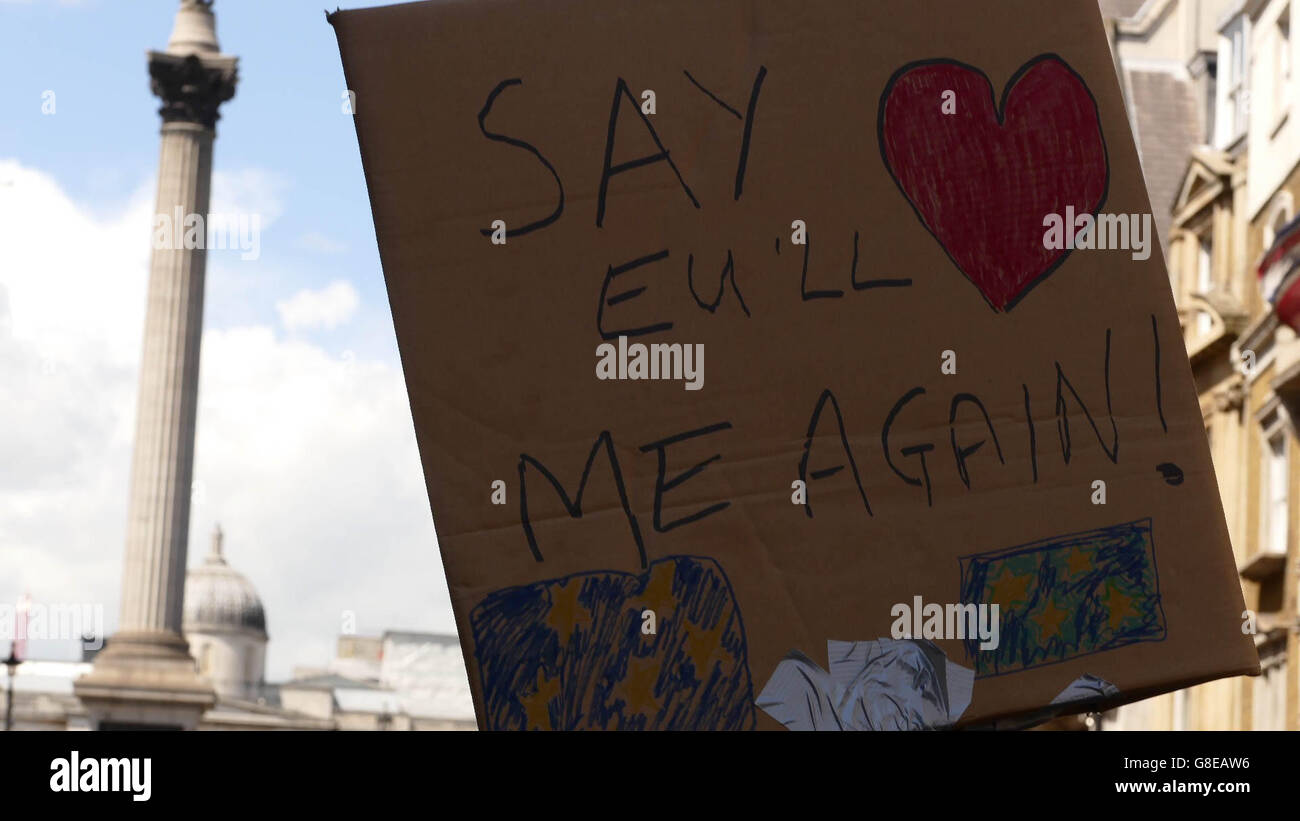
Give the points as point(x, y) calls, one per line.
point(1086, 688)
point(886, 684)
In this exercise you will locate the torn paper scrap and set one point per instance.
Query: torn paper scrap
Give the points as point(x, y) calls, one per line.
point(906, 682)
point(1086, 688)
point(801, 695)
point(886, 684)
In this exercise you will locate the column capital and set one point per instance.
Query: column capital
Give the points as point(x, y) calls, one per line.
point(192, 87)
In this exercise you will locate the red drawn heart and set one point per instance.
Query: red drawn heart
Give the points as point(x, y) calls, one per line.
point(983, 179)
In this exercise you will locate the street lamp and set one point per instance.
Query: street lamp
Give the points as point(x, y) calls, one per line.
point(12, 664)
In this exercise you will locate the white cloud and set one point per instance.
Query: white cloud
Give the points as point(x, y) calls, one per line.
point(308, 460)
point(71, 318)
point(327, 308)
point(309, 463)
point(73, 281)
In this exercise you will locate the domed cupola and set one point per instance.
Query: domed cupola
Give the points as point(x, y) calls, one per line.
point(225, 626)
point(219, 598)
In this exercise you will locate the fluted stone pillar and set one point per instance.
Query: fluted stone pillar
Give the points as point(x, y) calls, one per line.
point(145, 675)
point(153, 577)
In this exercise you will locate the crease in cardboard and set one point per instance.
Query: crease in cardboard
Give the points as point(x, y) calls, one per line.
point(1086, 689)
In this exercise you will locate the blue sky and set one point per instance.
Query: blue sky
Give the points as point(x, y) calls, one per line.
point(305, 450)
point(285, 119)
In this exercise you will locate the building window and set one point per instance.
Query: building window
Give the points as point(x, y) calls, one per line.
point(1204, 278)
point(1270, 694)
point(1281, 216)
point(1274, 526)
point(1282, 63)
point(1236, 96)
point(1211, 96)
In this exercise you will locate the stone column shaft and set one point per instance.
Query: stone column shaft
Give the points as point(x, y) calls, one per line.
point(162, 470)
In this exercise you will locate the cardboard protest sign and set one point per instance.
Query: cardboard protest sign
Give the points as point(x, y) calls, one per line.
point(790, 363)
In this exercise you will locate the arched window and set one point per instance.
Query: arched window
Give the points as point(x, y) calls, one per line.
point(1280, 213)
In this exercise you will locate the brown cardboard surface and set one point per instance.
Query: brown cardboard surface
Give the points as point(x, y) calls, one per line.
point(470, 112)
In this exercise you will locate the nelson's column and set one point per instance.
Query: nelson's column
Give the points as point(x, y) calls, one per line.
point(145, 675)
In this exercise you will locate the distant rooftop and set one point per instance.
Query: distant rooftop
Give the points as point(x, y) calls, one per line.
point(431, 638)
point(328, 681)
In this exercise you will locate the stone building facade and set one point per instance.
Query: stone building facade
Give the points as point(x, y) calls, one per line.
point(1220, 113)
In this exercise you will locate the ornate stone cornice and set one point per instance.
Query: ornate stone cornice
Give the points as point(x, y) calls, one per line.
point(191, 88)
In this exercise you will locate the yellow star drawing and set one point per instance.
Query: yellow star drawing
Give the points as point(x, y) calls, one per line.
point(658, 594)
point(537, 705)
point(1052, 618)
point(566, 612)
point(1079, 561)
point(1119, 607)
point(701, 645)
point(638, 686)
point(1010, 587)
